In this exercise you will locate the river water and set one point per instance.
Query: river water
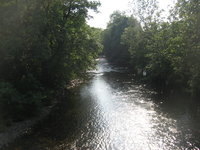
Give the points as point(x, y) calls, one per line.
point(111, 111)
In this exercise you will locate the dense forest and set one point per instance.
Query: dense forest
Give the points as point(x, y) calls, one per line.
point(166, 52)
point(143, 94)
point(44, 45)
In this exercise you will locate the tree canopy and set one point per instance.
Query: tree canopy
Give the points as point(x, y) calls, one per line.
point(43, 46)
point(168, 51)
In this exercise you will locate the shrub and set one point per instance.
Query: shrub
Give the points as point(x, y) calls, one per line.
point(18, 106)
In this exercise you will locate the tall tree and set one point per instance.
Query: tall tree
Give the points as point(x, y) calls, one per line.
point(116, 51)
point(43, 45)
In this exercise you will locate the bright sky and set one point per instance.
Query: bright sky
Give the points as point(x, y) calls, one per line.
point(107, 7)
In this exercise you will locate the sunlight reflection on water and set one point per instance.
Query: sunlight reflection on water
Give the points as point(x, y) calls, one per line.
point(125, 120)
point(113, 112)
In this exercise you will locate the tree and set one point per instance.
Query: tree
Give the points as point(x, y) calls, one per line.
point(167, 50)
point(43, 45)
point(116, 51)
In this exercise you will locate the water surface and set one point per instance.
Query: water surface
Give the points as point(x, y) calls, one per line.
point(114, 112)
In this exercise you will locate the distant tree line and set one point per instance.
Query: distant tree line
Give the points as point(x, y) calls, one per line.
point(166, 51)
point(44, 44)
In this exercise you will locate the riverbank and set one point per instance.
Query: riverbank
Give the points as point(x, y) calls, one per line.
point(16, 130)
point(113, 111)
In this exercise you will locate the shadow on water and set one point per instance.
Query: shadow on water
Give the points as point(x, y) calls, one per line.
point(114, 112)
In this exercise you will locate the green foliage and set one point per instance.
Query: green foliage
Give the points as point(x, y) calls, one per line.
point(16, 105)
point(133, 37)
point(116, 51)
point(168, 51)
point(43, 45)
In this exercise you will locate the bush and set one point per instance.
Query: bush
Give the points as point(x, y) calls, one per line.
point(18, 106)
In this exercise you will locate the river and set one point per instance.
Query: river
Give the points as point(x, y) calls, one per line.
point(112, 111)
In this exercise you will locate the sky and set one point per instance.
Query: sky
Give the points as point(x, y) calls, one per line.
point(107, 7)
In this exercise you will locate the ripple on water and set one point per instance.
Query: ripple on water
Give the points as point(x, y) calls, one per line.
point(116, 114)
